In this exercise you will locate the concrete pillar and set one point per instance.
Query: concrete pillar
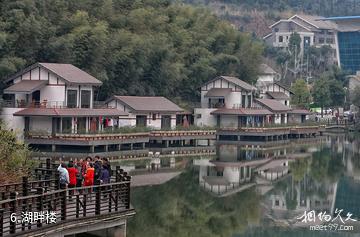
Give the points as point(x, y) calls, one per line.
point(143, 145)
point(106, 148)
point(92, 149)
point(239, 138)
point(53, 147)
point(131, 146)
point(87, 124)
point(119, 147)
point(195, 142)
point(166, 143)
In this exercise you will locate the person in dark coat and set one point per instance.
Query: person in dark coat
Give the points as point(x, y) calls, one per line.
point(98, 169)
point(105, 175)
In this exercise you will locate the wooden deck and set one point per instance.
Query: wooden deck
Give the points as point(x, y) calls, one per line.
point(30, 212)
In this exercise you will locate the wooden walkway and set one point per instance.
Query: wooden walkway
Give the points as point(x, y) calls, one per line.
point(25, 211)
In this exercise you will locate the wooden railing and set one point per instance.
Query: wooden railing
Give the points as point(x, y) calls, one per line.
point(20, 214)
point(182, 133)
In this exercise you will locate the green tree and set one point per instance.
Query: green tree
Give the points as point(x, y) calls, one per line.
point(144, 47)
point(355, 96)
point(295, 43)
point(337, 93)
point(321, 94)
point(301, 97)
point(14, 157)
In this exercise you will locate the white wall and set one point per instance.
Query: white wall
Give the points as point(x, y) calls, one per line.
point(13, 122)
point(206, 118)
point(53, 94)
point(233, 99)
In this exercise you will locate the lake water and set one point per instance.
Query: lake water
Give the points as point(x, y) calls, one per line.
point(251, 190)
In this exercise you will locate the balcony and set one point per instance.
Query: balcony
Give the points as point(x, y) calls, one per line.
point(46, 104)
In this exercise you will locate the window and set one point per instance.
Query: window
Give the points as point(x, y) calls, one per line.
point(329, 40)
point(349, 51)
point(153, 116)
point(322, 32)
point(66, 125)
point(85, 99)
point(286, 103)
point(72, 98)
point(249, 101)
point(281, 39)
point(276, 29)
point(321, 40)
point(198, 116)
point(277, 203)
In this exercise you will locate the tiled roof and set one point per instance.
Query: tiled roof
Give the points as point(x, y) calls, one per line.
point(277, 95)
point(235, 81)
point(71, 73)
point(242, 111)
point(273, 105)
point(266, 69)
point(218, 92)
point(239, 82)
point(149, 103)
point(283, 86)
point(67, 72)
point(317, 21)
point(67, 112)
point(25, 86)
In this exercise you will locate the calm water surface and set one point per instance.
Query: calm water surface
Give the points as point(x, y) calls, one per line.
point(250, 190)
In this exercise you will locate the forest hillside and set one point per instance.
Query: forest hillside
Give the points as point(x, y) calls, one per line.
point(142, 47)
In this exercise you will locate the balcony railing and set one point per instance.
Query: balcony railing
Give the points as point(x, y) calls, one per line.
point(46, 104)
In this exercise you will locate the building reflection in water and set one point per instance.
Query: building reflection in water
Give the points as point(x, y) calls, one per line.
point(239, 167)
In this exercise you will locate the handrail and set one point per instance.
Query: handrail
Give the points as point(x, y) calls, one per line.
point(65, 204)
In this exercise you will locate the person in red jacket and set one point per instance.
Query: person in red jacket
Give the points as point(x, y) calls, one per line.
point(72, 176)
point(89, 175)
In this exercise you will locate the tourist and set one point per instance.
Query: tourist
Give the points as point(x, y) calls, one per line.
point(97, 168)
point(105, 175)
point(80, 172)
point(108, 165)
point(89, 175)
point(63, 175)
point(72, 175)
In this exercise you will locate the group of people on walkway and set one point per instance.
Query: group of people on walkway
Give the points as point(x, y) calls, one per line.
point(86, 172)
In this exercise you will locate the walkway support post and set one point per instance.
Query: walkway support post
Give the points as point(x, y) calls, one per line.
point(40, 192)
point(13, 210)
point(97, 200)
point(63, 205)
point(25, 183)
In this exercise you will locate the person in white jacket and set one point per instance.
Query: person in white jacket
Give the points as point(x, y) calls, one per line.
point(63, 175)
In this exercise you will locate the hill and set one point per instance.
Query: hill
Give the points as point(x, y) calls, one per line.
point(143, 47)
point(256, 15)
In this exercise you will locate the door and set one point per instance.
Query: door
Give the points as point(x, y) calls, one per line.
point(140, 120)
point(165, 122)
point(81, 125)
point(282, 118)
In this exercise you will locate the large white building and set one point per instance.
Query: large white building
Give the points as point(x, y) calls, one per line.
point(228, 102)
point(312, 31)
point(50, 98)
